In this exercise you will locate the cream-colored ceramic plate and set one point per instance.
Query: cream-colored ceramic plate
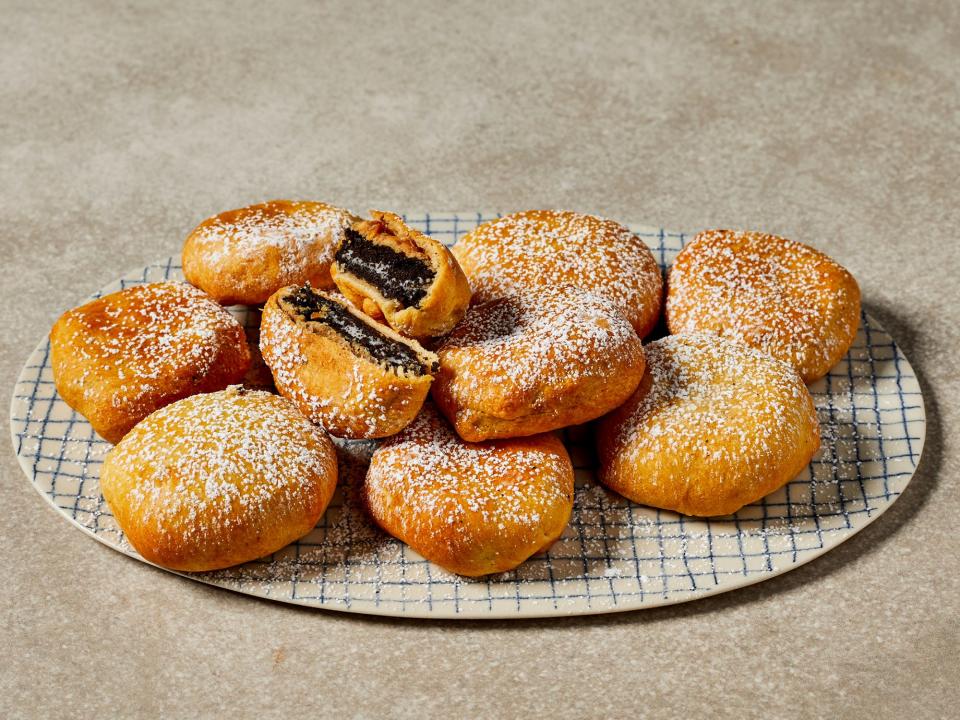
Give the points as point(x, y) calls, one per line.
point(615, 555)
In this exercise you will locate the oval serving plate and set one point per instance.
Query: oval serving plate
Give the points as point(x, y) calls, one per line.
point(614, 555)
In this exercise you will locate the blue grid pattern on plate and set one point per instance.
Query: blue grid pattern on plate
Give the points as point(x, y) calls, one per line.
point(613, 555)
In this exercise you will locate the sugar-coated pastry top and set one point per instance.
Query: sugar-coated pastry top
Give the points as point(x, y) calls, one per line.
point(538, 361)
point(470, 506)
point(206, 481)
point(548, 247)
point(141, 331)
point(144, 346)
point(502, 486)
point(539, 336)
point(243, 256)
point(713, 425)
point(700, 387)
point(769, 292)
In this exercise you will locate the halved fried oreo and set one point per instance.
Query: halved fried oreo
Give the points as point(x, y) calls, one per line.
point(402, 276)
point(345, 371)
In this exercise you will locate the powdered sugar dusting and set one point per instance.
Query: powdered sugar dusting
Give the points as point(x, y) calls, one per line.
point(303, 233)
point(719, 399)
point(431, 484)
point(769, 292)
point(142, 341)
point(544, 248)
point(553, 338)
point(711, 425)
point(249, 459)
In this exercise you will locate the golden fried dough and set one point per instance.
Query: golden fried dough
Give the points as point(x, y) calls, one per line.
point(714, 425)
point(401, 276)
point(343, 369)
point(545, 248)
point(472, 508)
point(771, 293)
point(535, 362)
point(242, 257)
point(120, 357)
point(219, 479)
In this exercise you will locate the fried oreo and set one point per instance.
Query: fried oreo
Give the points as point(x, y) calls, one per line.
point(344, 370)
point(396, 274)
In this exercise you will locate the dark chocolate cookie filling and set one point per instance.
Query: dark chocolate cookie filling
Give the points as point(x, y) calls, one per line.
point(316, 308)
point(397, 276)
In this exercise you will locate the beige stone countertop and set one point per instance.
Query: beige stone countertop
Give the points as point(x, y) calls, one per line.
point(122, 124)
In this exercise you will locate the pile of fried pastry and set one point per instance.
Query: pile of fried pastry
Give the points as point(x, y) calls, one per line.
point(465, 362)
